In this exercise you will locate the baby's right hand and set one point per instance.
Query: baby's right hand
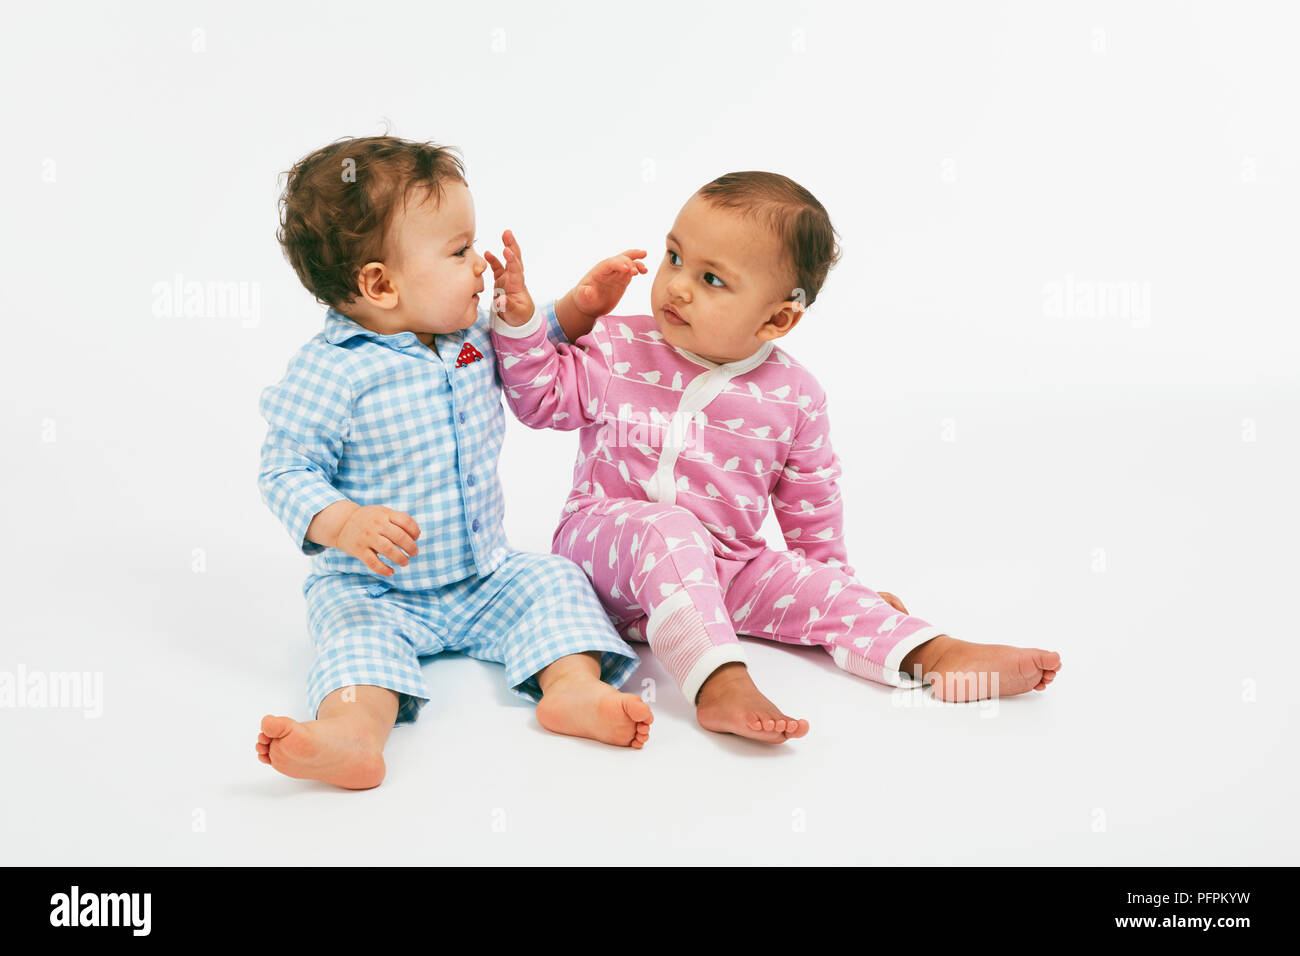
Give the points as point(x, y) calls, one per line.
point(510, 298)
point(373, 530)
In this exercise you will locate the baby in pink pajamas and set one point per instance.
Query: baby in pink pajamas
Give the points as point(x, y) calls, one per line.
point(691, 420)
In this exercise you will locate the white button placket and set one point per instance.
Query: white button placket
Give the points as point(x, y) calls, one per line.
point(697, 395)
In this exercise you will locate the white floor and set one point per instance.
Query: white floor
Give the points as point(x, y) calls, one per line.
point(1135, 531)
point(1005, 285)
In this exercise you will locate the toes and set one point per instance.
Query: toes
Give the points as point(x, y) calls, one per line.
point(769, 730)
point(273, 726)
point(786, 725)
point(1046, 660)
point(637, 709)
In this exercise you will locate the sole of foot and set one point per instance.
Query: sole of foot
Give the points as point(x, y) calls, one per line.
point(320, 750)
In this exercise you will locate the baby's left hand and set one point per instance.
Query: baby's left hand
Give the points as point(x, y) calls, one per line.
point(894, 602)
point(600, 290)
point(510, 298)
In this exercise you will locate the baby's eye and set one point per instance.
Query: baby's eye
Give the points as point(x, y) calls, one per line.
point(673, 258)
point(464, 249)
point(709, 277)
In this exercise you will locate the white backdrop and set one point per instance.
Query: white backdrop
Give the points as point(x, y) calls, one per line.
point(1061, 350)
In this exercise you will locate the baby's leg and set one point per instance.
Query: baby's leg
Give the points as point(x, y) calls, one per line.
point(786, 597)
point(657, 560)
point(344, 745)
point(537, 615)
point(364, 678)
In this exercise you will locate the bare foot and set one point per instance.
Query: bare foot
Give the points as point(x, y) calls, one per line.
point(582, 705)
point(730, 704)
point(967, 672)
point(332, 750)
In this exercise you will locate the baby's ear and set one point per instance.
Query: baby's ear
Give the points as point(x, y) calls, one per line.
point(376, 286)
point(785, 318)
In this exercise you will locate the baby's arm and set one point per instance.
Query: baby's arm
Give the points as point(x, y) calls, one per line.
point(547, 385)
point(807, 500)
point(308, 414)
point(596, 294)
point(551, 385)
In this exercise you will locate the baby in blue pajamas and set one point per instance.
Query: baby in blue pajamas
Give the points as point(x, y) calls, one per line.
point(381, 461)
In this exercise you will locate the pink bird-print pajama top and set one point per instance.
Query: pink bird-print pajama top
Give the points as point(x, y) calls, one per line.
point(677, 460)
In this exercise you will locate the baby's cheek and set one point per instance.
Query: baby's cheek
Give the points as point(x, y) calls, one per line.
point(740, 335)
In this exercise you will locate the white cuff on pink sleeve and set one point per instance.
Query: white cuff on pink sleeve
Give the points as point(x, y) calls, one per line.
point(502, 327)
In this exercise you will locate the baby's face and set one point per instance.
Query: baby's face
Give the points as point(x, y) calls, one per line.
point(722, 277)
point(434, 267)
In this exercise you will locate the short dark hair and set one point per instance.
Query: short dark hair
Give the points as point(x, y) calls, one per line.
point(338, 203)
point(792, 212)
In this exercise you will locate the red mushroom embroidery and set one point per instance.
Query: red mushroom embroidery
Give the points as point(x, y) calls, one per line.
point(468, 355)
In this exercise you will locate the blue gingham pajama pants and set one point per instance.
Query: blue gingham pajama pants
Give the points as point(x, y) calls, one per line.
point(533, 610)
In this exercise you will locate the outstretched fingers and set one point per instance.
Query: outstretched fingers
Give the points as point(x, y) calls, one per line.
point(498, 268)
point(632, 256)
point(514, 275)
point(512, 248)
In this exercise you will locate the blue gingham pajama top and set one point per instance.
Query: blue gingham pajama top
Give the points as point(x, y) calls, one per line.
point(386, 420)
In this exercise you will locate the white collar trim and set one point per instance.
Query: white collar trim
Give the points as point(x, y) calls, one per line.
point(732, 369)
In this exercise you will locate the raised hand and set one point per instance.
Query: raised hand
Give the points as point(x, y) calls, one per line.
point(601, 289)
point(510, 298)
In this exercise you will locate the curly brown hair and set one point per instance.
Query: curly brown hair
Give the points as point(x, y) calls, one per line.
point(792, 213)
point(338, 203)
